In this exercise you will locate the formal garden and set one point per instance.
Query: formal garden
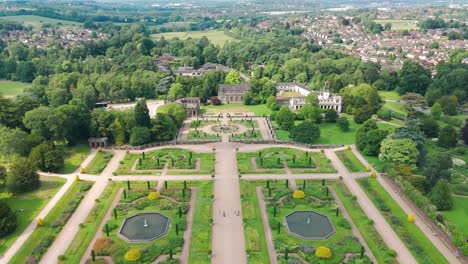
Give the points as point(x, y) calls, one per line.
point(99, 162)
point(142, 213)
point(197, 129)
point(278, 160)
point(48, 228)
point(292, 216)
point(350, 161)
point(177, 161)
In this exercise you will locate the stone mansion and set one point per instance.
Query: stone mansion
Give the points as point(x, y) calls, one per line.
point(294, 94)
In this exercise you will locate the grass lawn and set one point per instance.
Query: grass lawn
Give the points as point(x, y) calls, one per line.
point(363, 224)
point(99, 162)
point(11, 88)
point(43, 237)
point(317, 200)
point(418, 244)
point(217, 37)
point(74, 156)
point(389, 95)
point(350, 160)
point(37, 21)
point(201, 227)
point(255, 242)
point(458, 214)
point(259, 110)
point(238, 109)
point(399, 24)
point(31, 203)
point(378, 164)
point(395, 107)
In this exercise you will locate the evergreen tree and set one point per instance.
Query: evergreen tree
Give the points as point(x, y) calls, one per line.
point(23, 176)
point(448, 137)
point(142, 117)
point(441, 195)
point(7, 220)
point(118, 132)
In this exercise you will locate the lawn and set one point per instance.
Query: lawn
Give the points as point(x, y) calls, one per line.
point(11, 88)
point(217, 37)
point(389, 95)
point(31, 203)
point(395, 107)
point(350, 160)
point(43, 237)
point(74, 156)
point(399, 24)
point(259, 110)
point(418, 244)
point(237, 109)
point(255, 242)
point(318, 200)
point(364, 224)
point(99, 162)
point(36, 22)
point(458, 214)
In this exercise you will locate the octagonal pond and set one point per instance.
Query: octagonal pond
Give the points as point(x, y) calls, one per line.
point(144, 227)
point(309, 225)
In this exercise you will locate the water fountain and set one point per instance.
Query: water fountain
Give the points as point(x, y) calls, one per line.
point(146, 225)
point(309, 225)
point(136, 228)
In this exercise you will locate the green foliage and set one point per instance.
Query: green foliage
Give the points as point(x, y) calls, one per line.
point(23, 176)
point(47, 157)
point(7, 220)
point(436, 168)
point(441, 195)
point(429, 127)
point(436, 110)
point(140, 136)
point(448, 137)
point(118, 133)
point(232, 78)
point(399, 151)
point(142, 117)
point(414, 78)
point(285, 118)
point(369, 138)
point(306, 132)
point(175, 111)
point(449, 104)
point(310, 113)
point(343, 123)
point(331, 115)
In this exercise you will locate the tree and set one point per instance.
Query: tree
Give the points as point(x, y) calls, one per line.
point(13, 142)
point(47, 157)
point(343, 123)
point(436, 167)
point(441, 195)
point(176, 91)
point(23, 176)
point(414, 78)
point(331, 116)
point(362, 114)
point(232, 78)
point(163, 129)
point(372, 142)
point(3, 172)
point(436, 110)
point(285, 118)
point(142, 117)
point(312, 99)
point(448, 137)
point(449, 104)
point(140, 136)
point(118, 132)
point(429, 127)
point(175, 111)
point(306, 132)
point(7, 220)
point(310, 113)
point(362, 132)
point(464, 132)
point(399, 152)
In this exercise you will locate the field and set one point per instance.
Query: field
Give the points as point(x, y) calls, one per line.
point(74, 156)
point(457, 215)
point(11, 88)
point(399, 24)
point(389, 95)
point(217, 37)
point(31, 203)
point(350, 161)
point(418, 244)
point(36, 22)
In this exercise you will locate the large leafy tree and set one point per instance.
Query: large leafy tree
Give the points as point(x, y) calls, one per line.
point(399, 152)
point(448, 137)
point(310, 113)
point(436, 167)
point(140, 136)
point(47, 157)
point(232, 78)
point(414, 78)
point(306, 132)
point(441, 195)
point(164, 128)
point(285, 118)
point(23, 176)
point(142, 116)
point(175, 111)
point(7, 220)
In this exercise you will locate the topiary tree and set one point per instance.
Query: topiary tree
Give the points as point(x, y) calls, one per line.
point(7, 220)
point(153, 196)
point(298, 194)
point(133, 255)
point(323, 252)
point(82, 170)
point(40, 222)
point(410, 218)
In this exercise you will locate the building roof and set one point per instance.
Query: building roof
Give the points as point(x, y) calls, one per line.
point(293, 84)
point(233, 87)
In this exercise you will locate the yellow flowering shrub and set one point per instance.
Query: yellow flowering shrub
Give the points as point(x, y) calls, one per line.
point(82, 170)
point(411, 218)
point(368, 168)
point(323, 252)
point(153, 196)
point(133, 255)
point(77, 178)
point(40, 222)
point(374, 174)
point(298, 194)
point(99, 149)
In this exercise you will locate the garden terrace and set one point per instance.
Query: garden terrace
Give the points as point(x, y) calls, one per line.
point(99, 162)
point(276, 160)
point(281, 203)
point(350, 161)
point(177, 161)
